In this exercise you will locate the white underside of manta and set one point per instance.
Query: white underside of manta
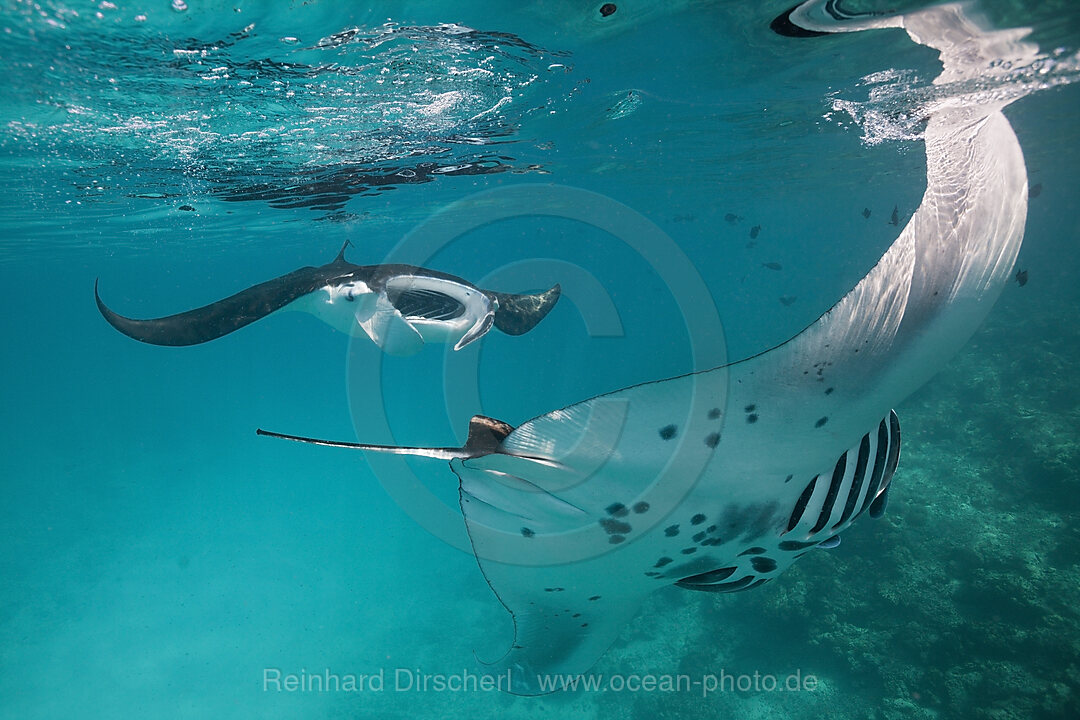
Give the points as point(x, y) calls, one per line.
point(357, 308)
point(720, 479)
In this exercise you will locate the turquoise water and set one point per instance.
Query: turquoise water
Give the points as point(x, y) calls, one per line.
point(159, 559)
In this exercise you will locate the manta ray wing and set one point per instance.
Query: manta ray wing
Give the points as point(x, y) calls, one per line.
point(222, 317)
point(719, 480)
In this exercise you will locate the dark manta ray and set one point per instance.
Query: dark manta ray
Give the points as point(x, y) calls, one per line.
point(718, 480)
point(400, 307)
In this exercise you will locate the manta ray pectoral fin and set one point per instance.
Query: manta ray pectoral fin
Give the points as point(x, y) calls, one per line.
point(216, 319)
point(477, 331)
point(388, 329)
point(558, 631)
point(543, 549)
point(518, 314)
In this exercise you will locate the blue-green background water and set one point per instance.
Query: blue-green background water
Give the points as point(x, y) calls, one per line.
point(157, 556)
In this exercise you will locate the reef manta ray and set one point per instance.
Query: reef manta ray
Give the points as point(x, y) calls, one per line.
point(400, 307)
point(718, 480)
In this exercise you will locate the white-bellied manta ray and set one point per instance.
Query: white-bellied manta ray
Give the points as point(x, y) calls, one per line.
point(718, 480)
point(400, 307)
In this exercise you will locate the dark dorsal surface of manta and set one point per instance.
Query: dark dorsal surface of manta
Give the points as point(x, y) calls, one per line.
point(400, 307)
point(718, 480)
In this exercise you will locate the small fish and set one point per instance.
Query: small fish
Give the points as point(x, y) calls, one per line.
point(1035, 190)
point(772, 265)
point(895, 219)
point(866, 213)
point(732, 218)
point(1021, 277)
point(787, 300)
point(755, 231)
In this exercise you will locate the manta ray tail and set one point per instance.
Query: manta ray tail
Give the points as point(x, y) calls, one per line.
point(485, 437)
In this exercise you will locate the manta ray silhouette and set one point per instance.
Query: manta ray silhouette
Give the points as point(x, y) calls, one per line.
point(718, 480)
point(400, 307)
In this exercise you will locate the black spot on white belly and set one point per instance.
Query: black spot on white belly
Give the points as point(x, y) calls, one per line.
point(641, 507)
point(527, 532)
point(615, 527)
point(698, 537)
point(750, 408)
point(617, 510)
point(616, 539)
point(554, 589)
point(733, 586)
point(711, 576)
point(714, 413)
point(595, 597)
point(712, 439)
point(689, 551)
point(821, 422)
point(662, 562)
point(697, 519)
point(752, 551)
point(751, 418)
point(671, 530)
point(668, 431)
point(751, 586)
point(790, 545)
point(763, 564)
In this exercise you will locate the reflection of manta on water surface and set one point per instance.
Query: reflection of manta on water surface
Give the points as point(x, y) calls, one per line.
point(718, 480)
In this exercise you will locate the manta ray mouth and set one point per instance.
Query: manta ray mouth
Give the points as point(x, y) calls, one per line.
point(426, 304)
